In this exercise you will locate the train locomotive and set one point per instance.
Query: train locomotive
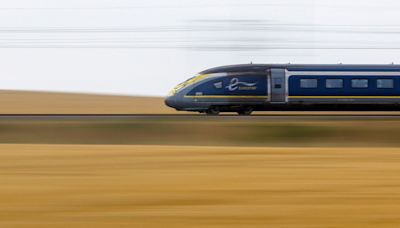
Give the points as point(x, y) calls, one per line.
point(262, 87)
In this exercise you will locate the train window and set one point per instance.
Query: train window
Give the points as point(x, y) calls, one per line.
point(334, 83)
point(385, 83)
point(359, 83)
point(308, 83)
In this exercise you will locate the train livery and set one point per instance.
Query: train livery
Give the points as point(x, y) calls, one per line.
point(262, 87)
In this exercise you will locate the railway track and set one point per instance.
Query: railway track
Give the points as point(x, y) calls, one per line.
point(288, 116)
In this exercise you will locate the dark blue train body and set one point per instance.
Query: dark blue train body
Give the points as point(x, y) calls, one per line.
point(256, 87)
point(233, 85)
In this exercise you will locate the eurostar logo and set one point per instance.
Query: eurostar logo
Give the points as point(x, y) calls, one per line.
point(236, 84)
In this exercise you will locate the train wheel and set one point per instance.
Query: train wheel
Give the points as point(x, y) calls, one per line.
point(213, 111)
point(245, 111)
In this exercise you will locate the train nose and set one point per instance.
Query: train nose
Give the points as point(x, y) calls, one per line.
point(171, 101)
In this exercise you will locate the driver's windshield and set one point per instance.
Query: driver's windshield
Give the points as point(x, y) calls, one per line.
point(188, 82)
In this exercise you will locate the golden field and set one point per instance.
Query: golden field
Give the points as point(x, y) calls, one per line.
point(170, 186)
point(25, 102)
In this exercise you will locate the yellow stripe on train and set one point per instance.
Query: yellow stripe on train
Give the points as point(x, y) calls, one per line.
point(291, 97)
point(226, 97)
point(344, 97)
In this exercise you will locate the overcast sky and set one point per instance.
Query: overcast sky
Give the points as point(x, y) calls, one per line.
point(141, 47)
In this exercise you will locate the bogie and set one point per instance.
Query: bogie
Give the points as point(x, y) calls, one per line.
point(246, 111)
point(213, 111)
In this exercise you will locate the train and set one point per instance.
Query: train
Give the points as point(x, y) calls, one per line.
point(246, 88)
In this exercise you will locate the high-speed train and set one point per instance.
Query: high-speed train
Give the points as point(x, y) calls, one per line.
point(262, 87)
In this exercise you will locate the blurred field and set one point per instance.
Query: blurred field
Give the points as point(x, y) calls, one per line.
point(204, 131)
point(20, 102)
point(259, 171)
point(161, 186)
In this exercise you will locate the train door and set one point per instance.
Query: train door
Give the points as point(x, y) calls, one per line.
point(277, 85)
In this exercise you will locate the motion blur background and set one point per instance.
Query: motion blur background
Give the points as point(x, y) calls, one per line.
point(140, 47)
point(277, 169)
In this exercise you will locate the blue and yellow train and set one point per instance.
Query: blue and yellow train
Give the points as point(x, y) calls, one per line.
point(261, 87)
